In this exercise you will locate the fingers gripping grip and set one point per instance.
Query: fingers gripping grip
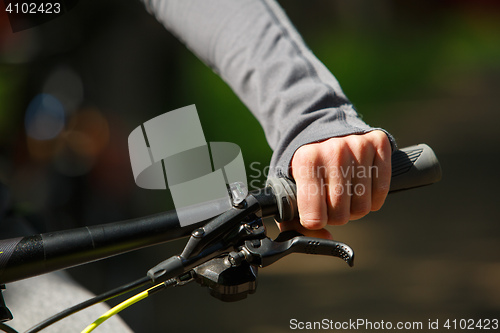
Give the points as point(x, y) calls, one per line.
point(412, 167)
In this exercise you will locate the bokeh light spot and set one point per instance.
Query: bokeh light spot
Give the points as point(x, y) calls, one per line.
point(44, 118)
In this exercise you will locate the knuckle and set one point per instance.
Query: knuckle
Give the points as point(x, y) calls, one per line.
point(306, 153)
point(381, 141)
point(335, 196)
point(304, 162)
point(378, 136)
point(310, 193)
point(332, 146)
point(312, 221)
point(359, 143)
point(341, 147)
point(337, 154)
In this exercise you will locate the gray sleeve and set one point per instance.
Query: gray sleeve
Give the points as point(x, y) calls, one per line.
point(253, 46)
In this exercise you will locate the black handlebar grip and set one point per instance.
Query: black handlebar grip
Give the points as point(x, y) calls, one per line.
point(412, 167)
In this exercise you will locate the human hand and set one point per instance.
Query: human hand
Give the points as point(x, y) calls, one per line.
point(340, 179)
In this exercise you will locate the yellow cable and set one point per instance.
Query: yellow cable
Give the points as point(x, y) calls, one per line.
point(123, 305)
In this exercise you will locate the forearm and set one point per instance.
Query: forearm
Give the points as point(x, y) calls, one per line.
point(255, 49)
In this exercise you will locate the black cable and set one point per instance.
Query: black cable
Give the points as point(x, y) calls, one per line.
point(7, 329)
point(159, 287)
point(97, 299)
point(132, 300)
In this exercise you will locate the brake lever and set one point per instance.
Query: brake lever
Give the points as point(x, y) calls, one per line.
point(233, 276)
point(264, 252)
point(224, 254)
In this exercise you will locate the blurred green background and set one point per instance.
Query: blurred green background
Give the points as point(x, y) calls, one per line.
point(427, 71)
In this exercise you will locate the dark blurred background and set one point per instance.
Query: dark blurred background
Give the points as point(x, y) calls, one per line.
point(427, 71)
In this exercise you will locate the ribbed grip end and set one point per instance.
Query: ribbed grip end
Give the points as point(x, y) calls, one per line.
point(414, 166)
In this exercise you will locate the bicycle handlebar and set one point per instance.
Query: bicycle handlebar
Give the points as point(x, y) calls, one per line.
point(24, 257)
point(29, 256)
